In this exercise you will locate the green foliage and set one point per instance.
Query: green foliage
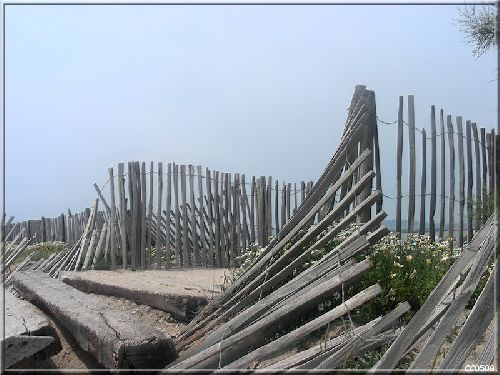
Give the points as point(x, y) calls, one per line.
point(407, 270)
point(478, 24)
point(483, 209)
point(101, 264)
point(44, 250)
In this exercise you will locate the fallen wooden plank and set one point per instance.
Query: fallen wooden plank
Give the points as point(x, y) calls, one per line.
point(474, 327)
point(284, 342)
point(17, 348)
point(357, 344)
point(178, 292)
point(22, 318)
point(305, 358)
point(114, 338)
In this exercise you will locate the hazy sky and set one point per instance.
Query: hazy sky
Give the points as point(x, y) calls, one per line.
point(252, 89)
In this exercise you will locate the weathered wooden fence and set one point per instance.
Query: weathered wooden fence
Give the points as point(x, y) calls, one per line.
point(230, 213)
point(475, 172)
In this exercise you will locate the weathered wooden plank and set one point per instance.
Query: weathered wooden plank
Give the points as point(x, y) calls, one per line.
point(185, 251)
point(353, 347)
point(423, 180)
point(90, 251)
point(178, 245)
point(123, 214)
point(474, 327)
point(283, 204)
point(101, 197)
point(432, 206)
point(412, 171)
point(142, 248)
point(399, 167)
point(288, 208)
point(488, 354)
point(252, 210)
point(309, 358)
point(227, 219)
point(210, 223)
point(204, 246)
point(18, 348)
point(477, 160)
point(168, 205)
point(114, 338)
point(100, 245)
point(269, 212)
point(484, 164)
point(112, 217)
point(451, 208)
point(237, 211)
point(217, 218)
point(150, 216)
point(133, 214)
point(276, 206)
point(86, 234)
point(194, 236)
point(461, 183)
point(243, 208)
point(443, 177)
point(470, 180)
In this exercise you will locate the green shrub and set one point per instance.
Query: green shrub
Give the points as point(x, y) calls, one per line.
point(407, 270)
point(45, 249)
point(101, 264)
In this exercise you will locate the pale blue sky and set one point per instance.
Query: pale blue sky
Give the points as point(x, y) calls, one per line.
point(253, 89)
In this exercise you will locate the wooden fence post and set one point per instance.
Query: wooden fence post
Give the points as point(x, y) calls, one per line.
point(443, 181)
point(470, 181)
point(150, 215)
point(211, 226)
point(123, 214)
point(252, 210)
point(477, 152)
point(194, 237)
point(204, 247)
point(461, 185)
point(168, 205)
point(451, 144)
point(143, 215)
point(276, 207)
point(178, 244)
point(217, 215)
point(432, 207)
point(158, 217)
point(423, 180)
point(411, 192)
point(112, 218)
point(485, 173)
point(185, 240)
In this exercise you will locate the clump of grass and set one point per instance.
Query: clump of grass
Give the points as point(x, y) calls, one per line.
point(43, 250)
